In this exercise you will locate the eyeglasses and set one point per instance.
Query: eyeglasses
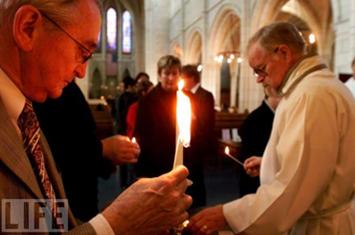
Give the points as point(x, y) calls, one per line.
point(86, 53)
point(261, 71)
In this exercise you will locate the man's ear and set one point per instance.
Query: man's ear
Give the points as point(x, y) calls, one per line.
point(26, 21)
point(285, 52)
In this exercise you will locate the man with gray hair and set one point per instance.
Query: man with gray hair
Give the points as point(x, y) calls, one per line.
point(308, 169)
point(43, 47)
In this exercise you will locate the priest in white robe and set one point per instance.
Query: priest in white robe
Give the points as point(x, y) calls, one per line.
point(308, 169)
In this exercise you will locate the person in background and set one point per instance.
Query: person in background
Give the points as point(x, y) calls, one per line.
point(70, 129)
point(255, 133)
point(156, 119)
point(350, 83)
point(43, 47)
point(142, 76)
point(127, 98)
point(307, 174)
point(142, 88)
point(202, 145)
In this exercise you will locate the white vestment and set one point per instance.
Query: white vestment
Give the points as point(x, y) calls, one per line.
point(308, 168)
point(350, 83)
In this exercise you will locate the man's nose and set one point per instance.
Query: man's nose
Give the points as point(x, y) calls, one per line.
point(80, 70)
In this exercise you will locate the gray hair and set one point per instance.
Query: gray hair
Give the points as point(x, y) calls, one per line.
point(279, 33)
point(59, 10)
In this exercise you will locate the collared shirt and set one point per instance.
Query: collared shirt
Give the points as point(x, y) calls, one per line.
point(14, 101)
point(194, 89)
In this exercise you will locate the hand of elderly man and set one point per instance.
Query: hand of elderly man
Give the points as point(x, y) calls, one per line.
point(151, 206)
point(252, 166)
point(207, 221)
point(120, 149)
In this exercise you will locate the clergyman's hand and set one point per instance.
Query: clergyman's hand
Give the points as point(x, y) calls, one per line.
point(151, 206)
point(120, 149)
point(207, 221)
point(252, 166)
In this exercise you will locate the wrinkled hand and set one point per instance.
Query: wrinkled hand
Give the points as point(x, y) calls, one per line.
point(120, 150)
point(151, 206)
point(207, 221)
point(252, 166)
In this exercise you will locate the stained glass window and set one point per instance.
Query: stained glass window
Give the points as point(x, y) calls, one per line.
point(111, 22)
point(126, 32)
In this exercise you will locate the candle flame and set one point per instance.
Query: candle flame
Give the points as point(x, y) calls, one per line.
point(226, 150)
point(183, 115)
point(134, 140)
point(181, 84)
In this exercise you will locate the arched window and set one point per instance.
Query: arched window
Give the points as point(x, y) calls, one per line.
point(126, 33)
point(111, 24)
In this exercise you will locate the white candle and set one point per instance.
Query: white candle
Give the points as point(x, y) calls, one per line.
point(183, 124)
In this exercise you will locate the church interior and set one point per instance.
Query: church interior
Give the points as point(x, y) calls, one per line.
point(212, 34)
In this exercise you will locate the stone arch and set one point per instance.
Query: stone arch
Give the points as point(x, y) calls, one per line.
point(176, 50)
point(316, 13)
point(194, 47)
point(225, 37)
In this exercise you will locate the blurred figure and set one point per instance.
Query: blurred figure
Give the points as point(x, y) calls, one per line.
point(255, 133)
point(350, 83)
point(156, 121)
point(308, 170)
point(202, 145)
point(70, 129)
point(127, 98)
point(142, 76)
point(142, 88)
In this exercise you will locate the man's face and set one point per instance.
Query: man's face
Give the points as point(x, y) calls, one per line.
point(60, 52)
point(270, 68)
point(169, 78)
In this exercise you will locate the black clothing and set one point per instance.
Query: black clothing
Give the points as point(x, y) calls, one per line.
point(202, 145)
point(156, 135)
point(255, 133)
point(70, 129)
point(155, 132)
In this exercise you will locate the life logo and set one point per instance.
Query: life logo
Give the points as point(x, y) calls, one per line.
point(33, 215)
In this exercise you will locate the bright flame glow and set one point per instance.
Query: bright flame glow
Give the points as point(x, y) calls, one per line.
point(134, 140)
point(185, 223)
point(183, 116)
point(199, 67)
point(239, 60)
point(312, 38)
point(181, 84)
point(226, 150)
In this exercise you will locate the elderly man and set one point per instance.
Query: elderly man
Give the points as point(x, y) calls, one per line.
point(43, 46)
point(308, 168)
